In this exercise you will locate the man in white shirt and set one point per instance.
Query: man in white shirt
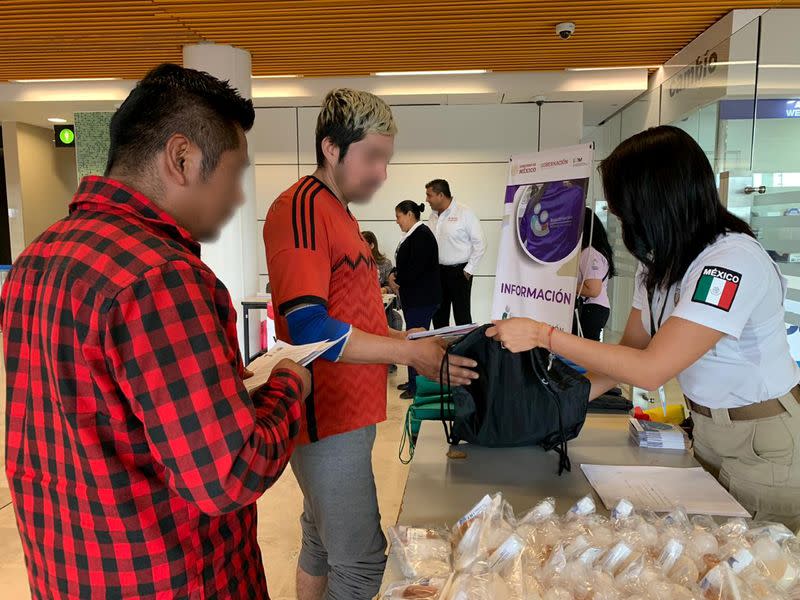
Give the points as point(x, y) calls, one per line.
point(461, 246)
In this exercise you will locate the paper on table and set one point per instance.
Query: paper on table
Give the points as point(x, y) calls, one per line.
point(445, 332)
point(662, 489)
point(303, 355)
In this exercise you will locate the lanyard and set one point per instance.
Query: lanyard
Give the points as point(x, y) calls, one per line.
point(650, 296)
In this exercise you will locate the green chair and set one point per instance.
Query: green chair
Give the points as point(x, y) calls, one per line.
point(425, 407)
point(427, 388)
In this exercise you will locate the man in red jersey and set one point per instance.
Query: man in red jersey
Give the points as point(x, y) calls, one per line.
point(135, 454)
point(323, 282)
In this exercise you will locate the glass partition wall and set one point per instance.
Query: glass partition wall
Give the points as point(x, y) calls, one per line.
point(775, 201)
point(741, 101)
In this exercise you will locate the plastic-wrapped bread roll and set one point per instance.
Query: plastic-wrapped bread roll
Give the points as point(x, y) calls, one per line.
point(421, 552)
point(423, 589)
point(587, 556)
point(480, 586)
point(486, 532)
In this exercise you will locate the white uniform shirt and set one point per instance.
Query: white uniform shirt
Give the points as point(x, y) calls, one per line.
point(733, 286)
point(593, 265)
point(459, 235)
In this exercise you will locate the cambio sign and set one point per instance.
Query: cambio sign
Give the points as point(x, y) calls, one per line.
point(703, 81)
point(693, 76)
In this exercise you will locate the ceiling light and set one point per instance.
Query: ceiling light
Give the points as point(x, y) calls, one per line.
point(276, 76)
point(71, 79)
point(413, 73)
point(613, 68)
point(58, 120)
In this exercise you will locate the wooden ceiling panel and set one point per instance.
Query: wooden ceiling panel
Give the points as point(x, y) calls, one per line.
point(106, 38)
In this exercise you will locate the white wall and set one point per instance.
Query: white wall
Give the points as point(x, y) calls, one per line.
point(640, 114)
point(469, 145)
point(273, 147)
point(41, 181)
point(11, 153)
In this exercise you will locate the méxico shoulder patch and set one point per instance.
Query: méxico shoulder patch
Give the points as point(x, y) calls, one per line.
point(717, 287)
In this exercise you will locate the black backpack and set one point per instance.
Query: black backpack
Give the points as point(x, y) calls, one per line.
point(525, 399)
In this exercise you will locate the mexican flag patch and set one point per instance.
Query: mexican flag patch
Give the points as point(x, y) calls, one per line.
point(717, 287)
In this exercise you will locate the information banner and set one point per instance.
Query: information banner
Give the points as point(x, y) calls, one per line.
point(540, 242)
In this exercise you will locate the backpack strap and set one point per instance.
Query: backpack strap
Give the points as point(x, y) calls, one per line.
point(407, 439)
point(446, 397)
point(542, 372)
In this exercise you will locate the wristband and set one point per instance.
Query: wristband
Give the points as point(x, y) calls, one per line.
point(550, 338)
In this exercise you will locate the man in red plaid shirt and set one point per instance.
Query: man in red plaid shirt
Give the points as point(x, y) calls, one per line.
point(134, 453)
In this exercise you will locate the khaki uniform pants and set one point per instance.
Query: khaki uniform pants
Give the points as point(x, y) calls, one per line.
point(758, 461)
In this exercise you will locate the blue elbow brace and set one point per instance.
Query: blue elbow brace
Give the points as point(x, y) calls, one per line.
point(312, 324)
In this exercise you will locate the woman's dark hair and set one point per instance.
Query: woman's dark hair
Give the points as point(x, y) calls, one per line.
point(373, 241)
point(660, 185)
point(407, 206)
point(594, 235)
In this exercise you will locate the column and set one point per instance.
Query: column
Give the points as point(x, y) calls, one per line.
point(233, 256)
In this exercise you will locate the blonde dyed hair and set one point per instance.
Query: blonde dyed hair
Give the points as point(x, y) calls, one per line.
point(347, 116)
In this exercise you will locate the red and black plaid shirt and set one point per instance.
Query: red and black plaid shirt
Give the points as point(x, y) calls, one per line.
point(134, 454)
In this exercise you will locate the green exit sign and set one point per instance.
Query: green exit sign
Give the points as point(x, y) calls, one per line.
point(65, 136)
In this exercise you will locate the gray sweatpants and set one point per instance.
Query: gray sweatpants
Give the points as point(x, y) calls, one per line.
point(342, 536)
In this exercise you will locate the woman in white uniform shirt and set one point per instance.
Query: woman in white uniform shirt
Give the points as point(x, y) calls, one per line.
point(595, 270)
point(708, 308)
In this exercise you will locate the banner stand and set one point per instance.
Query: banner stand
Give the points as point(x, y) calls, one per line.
point(540, 242)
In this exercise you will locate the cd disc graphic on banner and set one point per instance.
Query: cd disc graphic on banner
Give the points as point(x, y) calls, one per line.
point(550, 218)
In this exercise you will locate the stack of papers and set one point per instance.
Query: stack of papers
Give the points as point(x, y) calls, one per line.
point(263, 366)
point(448, 333)
point(662, 489)
point(652, 434)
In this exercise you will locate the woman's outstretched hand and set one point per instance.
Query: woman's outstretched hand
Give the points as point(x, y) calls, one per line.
point(520, 335)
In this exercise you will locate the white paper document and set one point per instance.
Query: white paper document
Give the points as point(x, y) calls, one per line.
point(662, 489)
point(303, 355)
point(445, 332)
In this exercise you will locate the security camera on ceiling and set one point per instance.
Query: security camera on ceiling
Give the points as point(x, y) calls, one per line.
point(565, 30)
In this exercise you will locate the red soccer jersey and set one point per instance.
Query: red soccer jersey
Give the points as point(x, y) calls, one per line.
point(316, 255)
